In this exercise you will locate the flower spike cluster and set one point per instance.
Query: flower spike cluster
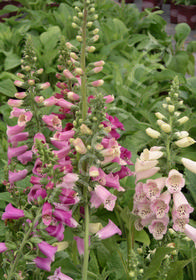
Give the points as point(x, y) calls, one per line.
point(160, 197)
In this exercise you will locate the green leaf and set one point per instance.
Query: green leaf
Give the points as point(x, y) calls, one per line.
point(50, 38)
point(9, 9)
point(156, 262)
point(142, 236)
point(176, 270)
point(190, 183)
point(5, 196)
point(11, 61)
point(182, 32)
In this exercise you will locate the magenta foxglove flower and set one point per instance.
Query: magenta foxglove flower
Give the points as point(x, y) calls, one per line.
point(56, 231)
point(53, 122)
point(102, 195)
point(68, 74)
point(47, 249)
point(108, 231)
point(13, 130)
point(62, 153)
point(12, 213)
point(153, 188)
point(144, 210)
point(175, 181)
point(63, 135)
point(17, 175)
point(47, 213)
point(14, 152)
point(158, 227)
point(43, 263)
point(80, 244)
point(14, 139)
point(123, 172)
point(16, 112)
point(15, 103)
point(3, 247)
point(93, 171)
point(181, 208)
point(73, 96)
point(108, 98)
point(44, 85)
point(160, 206)
point(50, 101)
point(58, 275)
point(64, 104)
point(24, 118)
point(190, 232)
point(26, 157)
point(69, 181)
point(35, 192)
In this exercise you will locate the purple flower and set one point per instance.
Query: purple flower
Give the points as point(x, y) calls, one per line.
point(43, 263)
point(175, 181)
point(123, 172)
point(56, 231)
point(108, 231)
point(3, 247)
point(47, 249)
point(158, 227)
point(12, 213)
point(13, 130)
point(47, 213)
point(125, 155)
point(102, 195)
point(17, 175)
point(58, 275)
point(80, 244)
point(26, 157)
point(190, 232)
point(35, 192)
point(181, 208)
point(160, 206)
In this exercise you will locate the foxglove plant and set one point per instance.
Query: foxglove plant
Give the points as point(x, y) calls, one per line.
point(157, 199)
point(67, 166)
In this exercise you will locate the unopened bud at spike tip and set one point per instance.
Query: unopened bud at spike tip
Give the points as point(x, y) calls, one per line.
point(152, 133)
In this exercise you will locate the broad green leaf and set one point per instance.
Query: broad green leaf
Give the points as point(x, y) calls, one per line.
point(176, 270)
point(142, 236)
point(156, 262)
point(182, 31)
point(50, 38)
point(191, 183)
point(11, 61)
point(5, 196)
point(7, 88)
point(9, 9)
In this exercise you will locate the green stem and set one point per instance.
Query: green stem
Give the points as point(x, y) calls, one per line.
point(168, 151)
point(20, 251)
point(83, 66)
point(86, 237)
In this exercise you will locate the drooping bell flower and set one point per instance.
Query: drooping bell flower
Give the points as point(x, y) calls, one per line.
point(17, 175)
point(153, 188)
point(12, 213)
point(140, 195)
point(175, 181)
point(47, 249)
point(36, 192)
point(13, 130)
point(146, 173)
point(14, 139)
point(3, 247)
point(14, 152)
point(79, 146)
point(43, 263)
point(190, 232)
point(142, 165)
point(47, 213)
point(181, 208)
point(109, 230)
point(58, 275)
point(102, 196)
point(56, 231)
point(24, 118)
point(158, 227)
point(26, 157)
point(16, 112)
point(123, 172)
point(160, 206)
point(53, 122)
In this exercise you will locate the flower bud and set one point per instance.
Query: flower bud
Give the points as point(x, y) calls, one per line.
point(159, 115)
point(31, 82)
point(176, 95)
point(168, 99)
point(177, 113)
point(78, 71)
point(180, 102)
point(181, 134)
point(27, 68)
point(97, 83)
point(95, 17)
point(20, 75)
point(94, 227)
point(73, 96)
point(74, 25)
point(96, 31)
point(185, 142)
point(69, 45)
point(20, 95)
point(171, 108)
point(79, 146)
point(40, 71)
point(92, 10)
point(95, 38)
point(73, 55)
point(164, 126)
point(76, 19)
point(99, 63)
point(189, 164)
point(85, 129)
point(152, 133)
point(89, 23)
point(39, 99)
point(79, 38)
point(109, 98)
point(80, 14)
point(91, 49)
point(14, 102)
point(44, 85)
point(68, 74)
point(183, 120)
point(18, 83)
point(97, 69)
